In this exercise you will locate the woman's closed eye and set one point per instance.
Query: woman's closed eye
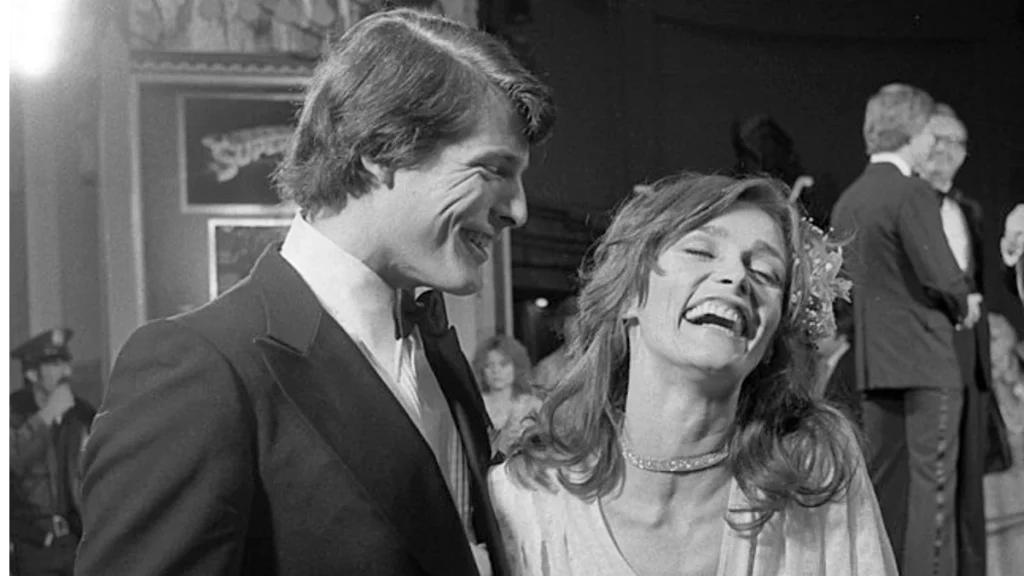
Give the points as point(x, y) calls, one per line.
point(766, 276)
point(702, 253)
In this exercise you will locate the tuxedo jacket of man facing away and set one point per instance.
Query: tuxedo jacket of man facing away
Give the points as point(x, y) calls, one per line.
point(299, 424)
point(908, 296)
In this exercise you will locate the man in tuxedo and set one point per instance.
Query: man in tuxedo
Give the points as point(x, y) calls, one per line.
point(315, 419)
point(909, 297)
point(961, 222)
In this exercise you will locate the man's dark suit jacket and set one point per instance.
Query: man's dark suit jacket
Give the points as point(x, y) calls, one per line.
point(981, 448)
point(975, 278)
point(251, 436)
point(908, 292)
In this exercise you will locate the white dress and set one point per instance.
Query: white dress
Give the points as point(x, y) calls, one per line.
point(557, 534)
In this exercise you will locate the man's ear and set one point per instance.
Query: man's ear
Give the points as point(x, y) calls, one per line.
point(32, 375)
point(385, 176)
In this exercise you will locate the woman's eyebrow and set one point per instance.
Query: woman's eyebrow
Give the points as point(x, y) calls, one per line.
point(759, 247)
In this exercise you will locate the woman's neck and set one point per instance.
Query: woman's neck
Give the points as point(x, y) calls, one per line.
point(677, 413)
point(503, 395)
point(675, 424)
point(672, 414)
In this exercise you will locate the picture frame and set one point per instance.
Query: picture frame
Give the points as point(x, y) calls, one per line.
point(234, 246)
point(230, 141)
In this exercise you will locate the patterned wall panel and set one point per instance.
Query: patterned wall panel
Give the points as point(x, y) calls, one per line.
point(260, 26)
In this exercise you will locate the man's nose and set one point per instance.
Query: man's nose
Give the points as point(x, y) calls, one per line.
point(511, 212)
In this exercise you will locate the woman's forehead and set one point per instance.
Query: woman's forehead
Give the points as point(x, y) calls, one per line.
point(745, 223)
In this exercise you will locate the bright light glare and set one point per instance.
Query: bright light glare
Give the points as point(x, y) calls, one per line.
point(541, 302)
point(35, 34)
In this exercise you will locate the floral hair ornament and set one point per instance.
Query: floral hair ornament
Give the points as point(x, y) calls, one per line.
point(824, 257)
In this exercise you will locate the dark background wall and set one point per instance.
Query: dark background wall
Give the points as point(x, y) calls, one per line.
point(647, 88)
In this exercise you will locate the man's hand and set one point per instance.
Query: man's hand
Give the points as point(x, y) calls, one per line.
point(974, 301)
point(59, 402)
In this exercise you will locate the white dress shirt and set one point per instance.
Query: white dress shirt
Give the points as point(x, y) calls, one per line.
point(894, 159)
point(954, 224)
point(364, 306)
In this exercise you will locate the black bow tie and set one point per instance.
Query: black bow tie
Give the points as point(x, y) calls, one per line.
point(428, 312)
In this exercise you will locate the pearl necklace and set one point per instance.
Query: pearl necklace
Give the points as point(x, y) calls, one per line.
point(684, 465)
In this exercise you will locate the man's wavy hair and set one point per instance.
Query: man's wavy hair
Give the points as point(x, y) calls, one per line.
point(894, 115)
point(785, 446)
point(393, 89)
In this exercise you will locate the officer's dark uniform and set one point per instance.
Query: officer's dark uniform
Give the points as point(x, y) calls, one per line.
point(45, 470)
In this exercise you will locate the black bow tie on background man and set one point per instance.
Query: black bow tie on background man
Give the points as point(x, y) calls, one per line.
point(428, 312)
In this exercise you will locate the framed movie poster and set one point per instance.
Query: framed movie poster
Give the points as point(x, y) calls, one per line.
point(230, 143)
point(234, 246)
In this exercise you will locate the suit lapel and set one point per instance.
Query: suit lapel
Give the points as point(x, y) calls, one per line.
point(972, 215)
point(342, 398)
point(456, 379)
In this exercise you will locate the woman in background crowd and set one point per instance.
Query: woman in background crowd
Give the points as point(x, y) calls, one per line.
point(502, 368)
point(1004, 491)
point(685, 438)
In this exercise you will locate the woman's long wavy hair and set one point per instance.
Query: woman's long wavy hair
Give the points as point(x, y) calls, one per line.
point(786, 446)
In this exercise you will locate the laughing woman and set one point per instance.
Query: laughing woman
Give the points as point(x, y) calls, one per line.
point(685, 438)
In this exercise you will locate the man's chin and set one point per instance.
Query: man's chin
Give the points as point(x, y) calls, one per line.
point(465, 289)
point(458, 284)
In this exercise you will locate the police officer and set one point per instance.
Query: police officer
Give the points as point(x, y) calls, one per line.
point(49, 426)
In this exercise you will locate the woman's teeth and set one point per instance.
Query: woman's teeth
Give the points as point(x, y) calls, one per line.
point(718, 315)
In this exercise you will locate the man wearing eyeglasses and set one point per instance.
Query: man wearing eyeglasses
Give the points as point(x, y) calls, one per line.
point(961, 222)
point(909, 294)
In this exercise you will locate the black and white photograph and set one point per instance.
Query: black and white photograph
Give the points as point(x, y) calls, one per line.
point(515, 288)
